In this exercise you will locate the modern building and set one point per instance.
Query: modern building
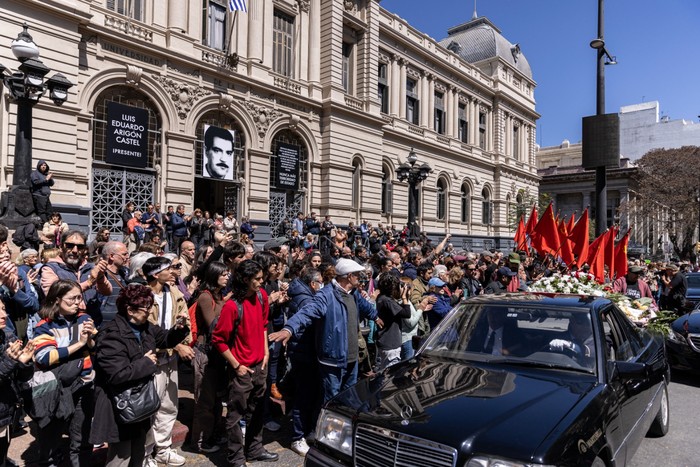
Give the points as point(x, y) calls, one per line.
point(641, 130)
point(320, 101)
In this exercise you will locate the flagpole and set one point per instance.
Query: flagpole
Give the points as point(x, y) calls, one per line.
point(230, 33)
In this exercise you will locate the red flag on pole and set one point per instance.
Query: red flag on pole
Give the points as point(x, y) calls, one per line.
point(566, 253)
point(520, 238)
point(621, 255)
point(610, 253)
point(546, 235)
point(579, 237)
point(531, 222)
point(572, 222)
point(596, 255)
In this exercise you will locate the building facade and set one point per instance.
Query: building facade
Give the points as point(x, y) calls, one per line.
point(322, 100)
point(572, 189)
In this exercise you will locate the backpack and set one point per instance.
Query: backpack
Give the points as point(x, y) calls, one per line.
point(26, 237)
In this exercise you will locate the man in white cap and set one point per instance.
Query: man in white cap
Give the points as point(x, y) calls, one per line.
point(339, 307)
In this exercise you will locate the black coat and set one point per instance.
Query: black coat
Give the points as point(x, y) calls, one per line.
point(11, 371)
point(120, 364)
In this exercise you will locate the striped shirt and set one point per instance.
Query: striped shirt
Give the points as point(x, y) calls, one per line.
point(52, 338)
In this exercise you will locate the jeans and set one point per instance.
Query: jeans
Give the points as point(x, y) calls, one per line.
point(407, 351)
point(334, 379)
point(245, 400)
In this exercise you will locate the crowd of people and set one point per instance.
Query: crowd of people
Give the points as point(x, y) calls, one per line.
point(290, 323)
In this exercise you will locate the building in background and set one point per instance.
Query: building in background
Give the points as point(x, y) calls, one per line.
point(322, 99)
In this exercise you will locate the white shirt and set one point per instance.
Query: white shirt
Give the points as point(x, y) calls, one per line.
point(497, 342)
point(159, 299)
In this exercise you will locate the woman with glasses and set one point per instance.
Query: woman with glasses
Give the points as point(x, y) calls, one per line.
point(125, 356)
point(209, 366)
point(176, 277)
point(63, 339)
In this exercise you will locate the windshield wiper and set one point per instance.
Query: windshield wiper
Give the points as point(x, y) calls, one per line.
point(535, 364)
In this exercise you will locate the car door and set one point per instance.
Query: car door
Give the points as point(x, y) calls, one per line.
point(632, 391)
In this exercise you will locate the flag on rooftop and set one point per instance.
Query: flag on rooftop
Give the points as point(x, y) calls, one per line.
point(240, 5)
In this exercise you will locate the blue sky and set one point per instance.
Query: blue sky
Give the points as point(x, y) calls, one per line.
point(655, 42)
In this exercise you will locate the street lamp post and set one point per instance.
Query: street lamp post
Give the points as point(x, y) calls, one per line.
point(414, 174)
point(603, 58)
point(26, 86)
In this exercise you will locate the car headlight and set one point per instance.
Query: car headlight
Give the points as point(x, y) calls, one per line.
point(482, 461)
point(335, 431)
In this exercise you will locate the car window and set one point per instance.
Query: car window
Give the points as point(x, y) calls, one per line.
point(624, 338)
point(693, 281)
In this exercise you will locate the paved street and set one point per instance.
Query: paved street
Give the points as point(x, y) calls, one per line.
point(675, 449)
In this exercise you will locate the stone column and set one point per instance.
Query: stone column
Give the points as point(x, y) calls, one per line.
point(177, 15)
point(424, 118)
point(449, 113)
point(402, 88)
point(315, 41)
point(255, 30)
point(302, 64)
point(431, 102)
point(395, 85)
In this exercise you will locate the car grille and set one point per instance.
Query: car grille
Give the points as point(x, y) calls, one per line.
point(375, 447)
point(694, 341)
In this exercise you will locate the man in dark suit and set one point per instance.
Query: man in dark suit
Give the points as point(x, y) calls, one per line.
point(498, 334)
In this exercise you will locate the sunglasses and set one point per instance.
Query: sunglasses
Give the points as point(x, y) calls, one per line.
point(176, 266)
point(70, 246)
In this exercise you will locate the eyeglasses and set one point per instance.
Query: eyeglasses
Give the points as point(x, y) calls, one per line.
point(136, 308)
point(176, 266)
point(70, 246)
point(471, 269)
point(76, 299)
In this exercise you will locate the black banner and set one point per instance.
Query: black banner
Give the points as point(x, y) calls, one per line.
point(287, 166)
point(127, 135)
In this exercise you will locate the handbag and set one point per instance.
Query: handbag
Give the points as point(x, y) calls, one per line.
point(136, 403)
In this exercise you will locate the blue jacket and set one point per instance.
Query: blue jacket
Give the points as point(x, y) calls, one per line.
point(439, 310)
point(300, 294)
point(179, 225)
point(327, 311)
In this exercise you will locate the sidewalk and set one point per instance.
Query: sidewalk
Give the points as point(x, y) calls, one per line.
point(24, 449)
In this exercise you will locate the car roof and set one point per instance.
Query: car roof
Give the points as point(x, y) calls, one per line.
point(547, 299)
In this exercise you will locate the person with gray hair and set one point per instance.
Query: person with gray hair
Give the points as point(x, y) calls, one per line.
point(103, 308)
point(136, 263)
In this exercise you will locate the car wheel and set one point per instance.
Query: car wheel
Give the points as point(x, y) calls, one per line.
point(659, 427)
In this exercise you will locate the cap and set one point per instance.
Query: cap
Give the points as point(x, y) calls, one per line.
point(504, 271)
point(436, 282)
point(514, 258)
point(487, 253)
point(346, 266)
point(459, 258)
point(635, 269)
point(275, 243)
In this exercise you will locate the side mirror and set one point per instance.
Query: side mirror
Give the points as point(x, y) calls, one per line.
point(630, 370)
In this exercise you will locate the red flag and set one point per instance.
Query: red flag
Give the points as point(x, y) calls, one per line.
point(572, 222)
point(597, 254)
point(546, 235)
point(621, 255)
point(566, 253)
point(520, 238)
point(531, 222)
point(579, 237)
point(610, 252)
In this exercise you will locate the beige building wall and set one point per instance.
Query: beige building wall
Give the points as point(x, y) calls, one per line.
point(164, 57)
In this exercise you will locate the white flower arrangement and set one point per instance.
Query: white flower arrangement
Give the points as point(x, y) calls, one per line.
point(577, 283)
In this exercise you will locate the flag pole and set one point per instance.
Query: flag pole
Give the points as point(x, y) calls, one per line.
point(230, 33)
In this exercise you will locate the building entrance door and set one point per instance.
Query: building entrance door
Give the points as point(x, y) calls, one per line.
point(111, 190)
point(283, 204)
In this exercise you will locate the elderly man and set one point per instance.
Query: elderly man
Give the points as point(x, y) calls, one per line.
point(187, 252)
point(632, 285)
point(338, 309)
point(101, 308)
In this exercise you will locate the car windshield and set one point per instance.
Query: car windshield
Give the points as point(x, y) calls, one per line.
point(560, 338)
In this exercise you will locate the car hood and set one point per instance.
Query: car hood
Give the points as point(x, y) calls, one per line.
point(473, 407)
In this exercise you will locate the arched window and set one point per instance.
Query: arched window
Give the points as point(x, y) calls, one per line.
point(441, 199)
point(356, 183)
point(486, 207)
point(113, 183)
point(465, 203)
point(387, 191)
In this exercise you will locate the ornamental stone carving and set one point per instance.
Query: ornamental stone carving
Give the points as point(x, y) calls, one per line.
point(183, 95)
point(262, 116)
point(225, 102)
point(304, 5)
point(133, 75)
point(350, 5)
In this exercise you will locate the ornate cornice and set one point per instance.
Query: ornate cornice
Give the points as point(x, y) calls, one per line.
point(262, 116)
point(183, 95)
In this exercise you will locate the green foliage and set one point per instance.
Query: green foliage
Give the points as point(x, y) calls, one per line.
point(662, 323)
point(516, 210)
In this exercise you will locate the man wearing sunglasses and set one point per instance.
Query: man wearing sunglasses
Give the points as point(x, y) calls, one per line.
point(72, 265)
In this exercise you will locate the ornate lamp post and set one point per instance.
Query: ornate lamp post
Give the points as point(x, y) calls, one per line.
point(26, 87)
point(415, 174)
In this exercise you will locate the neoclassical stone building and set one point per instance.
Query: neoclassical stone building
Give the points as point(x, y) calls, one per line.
point(323, 99)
